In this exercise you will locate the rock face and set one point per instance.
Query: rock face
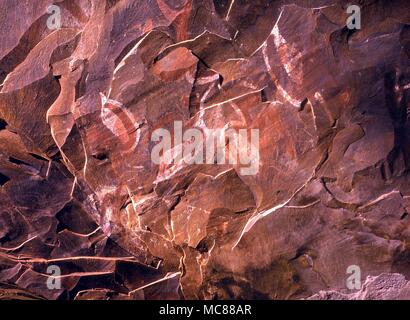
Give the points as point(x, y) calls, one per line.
point(383, 287)
point(85, 212)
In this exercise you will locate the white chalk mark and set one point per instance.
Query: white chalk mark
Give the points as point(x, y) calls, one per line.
point(167, 277)
point(229, 10)
point(255, 218)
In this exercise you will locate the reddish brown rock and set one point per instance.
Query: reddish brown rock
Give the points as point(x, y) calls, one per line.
point(80, 192)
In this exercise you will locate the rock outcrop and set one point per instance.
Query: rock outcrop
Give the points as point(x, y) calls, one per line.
point(86, 83)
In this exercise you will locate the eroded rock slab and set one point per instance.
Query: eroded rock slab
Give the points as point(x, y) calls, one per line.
point(80, 192)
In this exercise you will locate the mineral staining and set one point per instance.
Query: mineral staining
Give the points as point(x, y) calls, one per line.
point(82, 94)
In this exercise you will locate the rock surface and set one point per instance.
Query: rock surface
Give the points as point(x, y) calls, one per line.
point(386, 286)
point(80, 192)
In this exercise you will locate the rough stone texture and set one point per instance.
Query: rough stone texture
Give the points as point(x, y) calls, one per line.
point(383, 287)
point(79, 191)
